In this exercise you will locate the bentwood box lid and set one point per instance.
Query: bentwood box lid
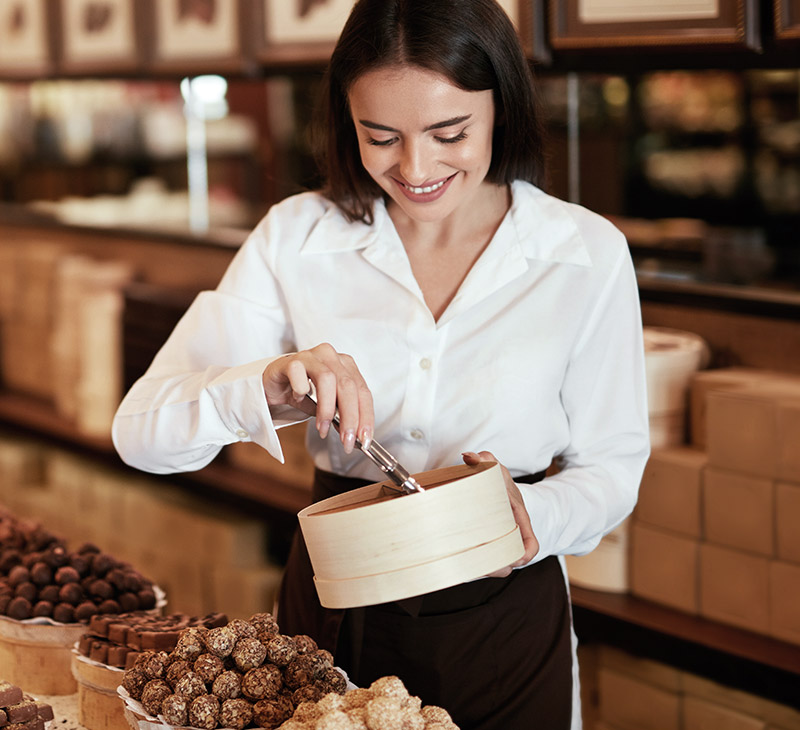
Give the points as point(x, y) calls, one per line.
point(374, 544)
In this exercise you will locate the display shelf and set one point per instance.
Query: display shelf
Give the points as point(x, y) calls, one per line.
point(729, 639)
point(38, 416)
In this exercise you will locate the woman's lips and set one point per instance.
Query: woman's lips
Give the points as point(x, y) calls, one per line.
point(425, 193)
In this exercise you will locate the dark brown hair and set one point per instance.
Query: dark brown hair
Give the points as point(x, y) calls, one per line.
point(472, 43)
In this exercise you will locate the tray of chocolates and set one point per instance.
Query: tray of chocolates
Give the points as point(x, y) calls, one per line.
point(20, 711)
point(118, 639)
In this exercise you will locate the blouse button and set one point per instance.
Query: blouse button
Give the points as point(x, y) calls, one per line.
point(425, 363)
point(417, 435)
point(242, 434)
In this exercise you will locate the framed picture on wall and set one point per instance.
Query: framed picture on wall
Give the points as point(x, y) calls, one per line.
point(590, 24)
point(529, 18)
point(197, 35)
point(787, 19)
point(300, 31)
point(25, 43)
point(98, 35)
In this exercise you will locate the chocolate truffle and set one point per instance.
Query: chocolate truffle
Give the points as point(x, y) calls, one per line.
point(190, 685)
point(175, 710)
point(209, 667)
point(305, 644)
point(248, 653)
point(271, 713)
point(66, 574)
point(190, 644)
point(19, 608)
point(281, 650)
point(220, 641)
point(153, 694)
point(263, 682)
point(176, 670)
point(236, 714)
point(242, 628)
point(134, 681)
point(204, 712)
point(228, 685)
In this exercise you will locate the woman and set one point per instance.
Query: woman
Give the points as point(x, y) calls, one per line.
point(443, 303)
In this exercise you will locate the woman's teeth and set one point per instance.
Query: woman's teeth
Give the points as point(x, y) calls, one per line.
point(427, 189)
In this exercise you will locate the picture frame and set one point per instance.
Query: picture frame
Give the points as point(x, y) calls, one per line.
point(787, 19)
point(300, 32)
point(198, 36)
point(604, 24)
point(26, 44)
point(98, 36)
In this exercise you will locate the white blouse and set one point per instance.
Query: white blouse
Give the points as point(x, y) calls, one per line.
point(539, 355)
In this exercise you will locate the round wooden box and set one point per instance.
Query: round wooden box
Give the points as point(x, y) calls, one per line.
point(99, 705)
point(374, 545)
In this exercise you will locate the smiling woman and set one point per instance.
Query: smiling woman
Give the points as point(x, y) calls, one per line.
point(437, 299)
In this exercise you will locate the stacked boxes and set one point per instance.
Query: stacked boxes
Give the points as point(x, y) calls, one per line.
point(633, 693)
point(715, 531)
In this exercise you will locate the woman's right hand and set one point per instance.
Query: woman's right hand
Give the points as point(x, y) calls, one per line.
point(339, 387)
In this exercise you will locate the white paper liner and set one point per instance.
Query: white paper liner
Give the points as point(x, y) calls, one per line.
point(43, 630)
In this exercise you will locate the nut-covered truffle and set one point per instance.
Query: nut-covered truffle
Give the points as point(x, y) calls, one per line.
point(271, 713)
point(154, 693)
point(264, 682)
point(384, 713)
point(204, 712)
point(175, 710)
point(242, 628)
point(228, 686)
point(305, 644)
point(176, 670)
point(220, 641)
point(236, 714)
point(209, 667)
point(248, 653)
point(190, 644)
point(281, 650)
point(190, 685)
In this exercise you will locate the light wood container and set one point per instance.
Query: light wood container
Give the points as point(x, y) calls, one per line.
point(374, 545)
point(99, 705)
point(38, 656)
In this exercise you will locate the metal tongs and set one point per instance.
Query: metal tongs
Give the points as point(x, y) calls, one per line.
point(397, 473)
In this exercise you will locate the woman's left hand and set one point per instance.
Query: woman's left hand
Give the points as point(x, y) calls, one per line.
point(529, 541)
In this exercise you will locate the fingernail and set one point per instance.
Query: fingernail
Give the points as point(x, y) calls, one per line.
point(470, 455)
point(323, 428)
point(349, 440)
point(365, 438)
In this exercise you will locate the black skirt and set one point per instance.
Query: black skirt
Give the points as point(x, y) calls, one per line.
point(495, 652)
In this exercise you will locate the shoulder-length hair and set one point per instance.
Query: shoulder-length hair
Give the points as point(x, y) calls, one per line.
point(472, 43)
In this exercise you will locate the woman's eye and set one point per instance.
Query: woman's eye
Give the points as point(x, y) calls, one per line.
point(452, 140)
point(380, 142)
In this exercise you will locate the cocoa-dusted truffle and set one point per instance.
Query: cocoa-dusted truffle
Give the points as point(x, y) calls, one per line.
point(18, 574)
point(128, 602)
point(248, 653)
point(271, 713)
point(84, 611)
point(175, 710)
point(41, 573)
point(190, 644)
point(134, 681)
point(70, 593)
point(147, 599)
point(27, 590)
point(79, 563)
point(209, 667)
point(236, 714)
point(204, 712)
point(281, 650)
point(64, 613)
point(434, 713)
point(101, 589)
point(263, 682)
point(176, 670)
point(49, 593)
point(102, 563)
point(304, 644)
point(228, 686)
point(19, 608)
point(42, 608)
point(190, 685)
point(153, 694)
point(66, 574)
point(109, 606)
point(220, 641)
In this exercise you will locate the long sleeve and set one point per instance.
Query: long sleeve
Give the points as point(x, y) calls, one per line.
point(604, 398)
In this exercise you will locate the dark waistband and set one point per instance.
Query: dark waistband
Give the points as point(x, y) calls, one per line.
point(327, 484)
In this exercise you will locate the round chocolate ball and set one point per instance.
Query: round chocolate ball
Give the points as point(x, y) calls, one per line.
point(41, 573)
point(66, 574)
point(19, 608)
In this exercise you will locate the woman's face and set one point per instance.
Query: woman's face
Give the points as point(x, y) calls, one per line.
point(425, 141)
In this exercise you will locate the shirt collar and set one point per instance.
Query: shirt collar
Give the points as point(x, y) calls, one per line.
point(545, 228)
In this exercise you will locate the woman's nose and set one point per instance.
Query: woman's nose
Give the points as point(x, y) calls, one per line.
point(413, 165)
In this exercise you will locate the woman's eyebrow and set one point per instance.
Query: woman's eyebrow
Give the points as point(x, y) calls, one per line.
point(438, 125)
